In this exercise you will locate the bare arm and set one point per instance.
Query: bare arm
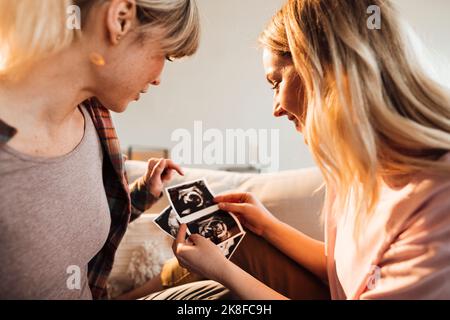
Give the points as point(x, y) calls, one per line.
point(306, 251)
point(246, 286)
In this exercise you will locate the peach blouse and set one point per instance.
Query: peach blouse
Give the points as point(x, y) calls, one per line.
point(404, 249)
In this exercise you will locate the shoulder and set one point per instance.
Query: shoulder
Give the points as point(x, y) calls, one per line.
point(427, 206)
point(432, 189)
point(414, 260)
point(431, 199)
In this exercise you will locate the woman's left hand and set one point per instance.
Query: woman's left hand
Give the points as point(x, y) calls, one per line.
point(158, 172)
point(199, 255)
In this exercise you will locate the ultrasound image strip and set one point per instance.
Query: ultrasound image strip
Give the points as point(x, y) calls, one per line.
point(229, 247)
point(193, 203)
point(168, 222)
point(199, 214)
point(219, 226)
point(190, 198)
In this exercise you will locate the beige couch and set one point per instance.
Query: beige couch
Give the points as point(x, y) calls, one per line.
point(295, 197)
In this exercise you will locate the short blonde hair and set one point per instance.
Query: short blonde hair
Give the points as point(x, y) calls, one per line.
point(31, 29)
point(370, 109)
point(179, 21)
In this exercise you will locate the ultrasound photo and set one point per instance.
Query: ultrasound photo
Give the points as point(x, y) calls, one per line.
point(190, 198)
point(168, 222)
point(218, 226)
point(228, 247)
point(193, 203)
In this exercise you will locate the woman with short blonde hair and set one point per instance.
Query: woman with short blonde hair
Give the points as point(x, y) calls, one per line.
point(379, 129)
point(65, 202)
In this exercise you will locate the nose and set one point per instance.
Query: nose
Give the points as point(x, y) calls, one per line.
point(278, 111)
point(156, 82)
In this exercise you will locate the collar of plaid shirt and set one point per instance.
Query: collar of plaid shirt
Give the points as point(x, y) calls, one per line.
point(117, 192)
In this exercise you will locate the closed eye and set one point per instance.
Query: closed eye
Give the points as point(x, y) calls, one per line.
point(275, 84)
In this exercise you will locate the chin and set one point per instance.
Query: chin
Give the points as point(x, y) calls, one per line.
point(298, 127)
point(115, 105)
point(119, 108)
point(116, 108)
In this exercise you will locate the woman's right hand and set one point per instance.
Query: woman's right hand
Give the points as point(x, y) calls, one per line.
point(249, 210)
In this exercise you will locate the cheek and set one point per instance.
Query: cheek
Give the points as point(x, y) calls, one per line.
point(133, 72)
point(288, 101)
point(122, 76)
point(120, 81)
point(155, 67)
point(292, 99)
point(118, 88)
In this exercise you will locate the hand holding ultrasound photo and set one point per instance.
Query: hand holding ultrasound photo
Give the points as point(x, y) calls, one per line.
point(193, 203)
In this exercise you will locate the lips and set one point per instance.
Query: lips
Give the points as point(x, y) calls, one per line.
point(295, 121)
point(145, 90)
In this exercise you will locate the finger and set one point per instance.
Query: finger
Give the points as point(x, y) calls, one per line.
point(189, 241)
point(236, 197)
point(181, 236)
point(196, 238)
point(167, 175)
point(172, 165)
point(234, 207)
point(151, 163)
point(181, 260)
point(185, 254)
point(159, 167)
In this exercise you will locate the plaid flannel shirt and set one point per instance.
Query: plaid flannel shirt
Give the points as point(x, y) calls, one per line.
point(125, 203)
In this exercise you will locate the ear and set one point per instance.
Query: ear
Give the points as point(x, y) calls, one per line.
point(119, 19)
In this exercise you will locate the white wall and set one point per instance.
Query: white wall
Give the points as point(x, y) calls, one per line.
point(430, 20)
point(224, 85)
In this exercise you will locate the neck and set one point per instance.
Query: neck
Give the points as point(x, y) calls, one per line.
point(49, 92)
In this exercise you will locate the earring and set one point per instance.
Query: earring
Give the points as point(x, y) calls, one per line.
point(97, 59)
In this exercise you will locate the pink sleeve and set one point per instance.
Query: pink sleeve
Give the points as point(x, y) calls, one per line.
point(417, 264)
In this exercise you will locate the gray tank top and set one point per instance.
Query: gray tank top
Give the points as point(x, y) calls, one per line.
point(54, 217)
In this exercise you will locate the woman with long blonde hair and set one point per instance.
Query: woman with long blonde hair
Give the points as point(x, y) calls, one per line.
point(65, 203)
point(379, 129)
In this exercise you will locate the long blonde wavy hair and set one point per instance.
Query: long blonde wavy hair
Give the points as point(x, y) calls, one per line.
point(371, 111)
point(31, 29)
